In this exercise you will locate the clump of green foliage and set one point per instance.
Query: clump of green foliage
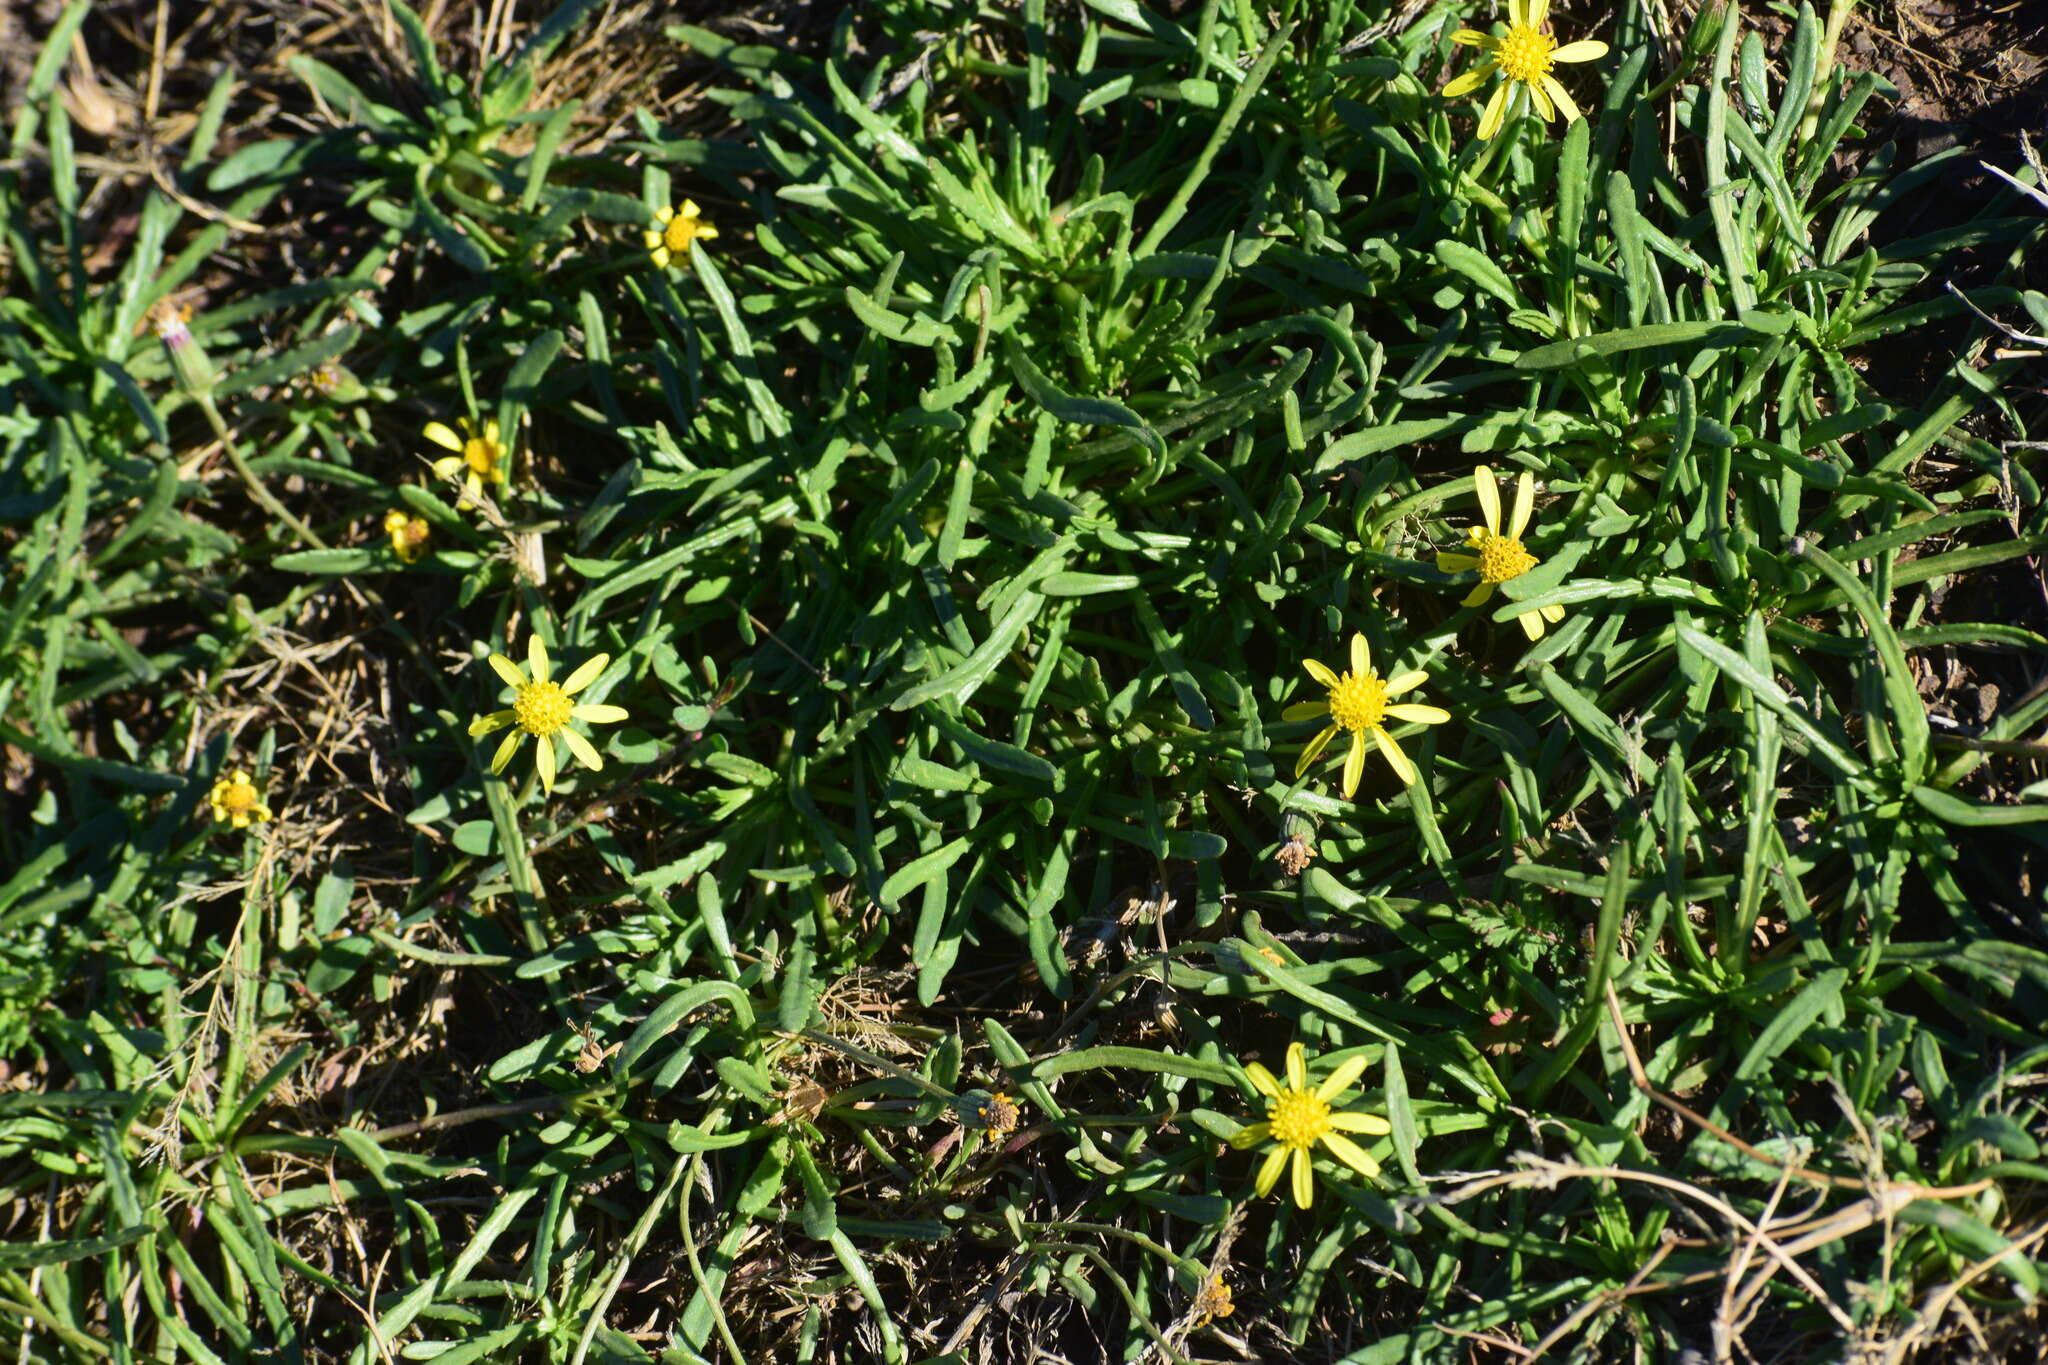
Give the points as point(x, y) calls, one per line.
point(956, 523)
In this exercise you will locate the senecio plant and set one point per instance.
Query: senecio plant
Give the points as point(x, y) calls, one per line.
point(1058, 364)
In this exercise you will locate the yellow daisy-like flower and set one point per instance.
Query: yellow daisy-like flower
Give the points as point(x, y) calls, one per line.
point(236, 800)
point(408, 535)
point(673, 231)
point(541, 708)
point(1297, 1118)
point(1500, 557)
point(479, 455)
point(1525, 57)
point(1360, 701)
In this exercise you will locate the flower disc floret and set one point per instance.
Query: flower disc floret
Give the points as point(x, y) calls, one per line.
point(543, 708)
point(1502, 558)
point(1358, 701)
point(1299, 1118)
point(1525, 54)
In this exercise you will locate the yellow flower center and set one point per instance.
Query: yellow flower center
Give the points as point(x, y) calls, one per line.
point(542, 708)
point(238, 797)
point(679, 233)
point(1298, 1118)
point(1502, 558)
point(481, 455)
point(1525, 54)
point(1358, 702)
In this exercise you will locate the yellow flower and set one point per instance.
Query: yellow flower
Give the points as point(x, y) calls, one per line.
point(1500, 557)
point(1525, 58)
point(479, 456)
point(1298, 1118)
point(1359, 702)
point(674, 230)
point(541, 708)
point(235, 799)
point(408, 535)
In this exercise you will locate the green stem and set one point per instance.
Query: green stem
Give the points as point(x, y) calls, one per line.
point(264, 498)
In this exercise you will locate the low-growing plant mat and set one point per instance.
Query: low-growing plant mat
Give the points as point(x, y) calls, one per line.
point(655, 667)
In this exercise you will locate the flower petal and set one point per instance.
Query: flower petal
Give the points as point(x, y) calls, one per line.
point(662, 256)
point(1262, 1080)
point(1354, 764)
point(1250, 1136)
point(586, 673)
point(1479, 595)
point(1396, 759)
point(586, 753)
point(650, 239)
point(1306, 710)
point(1531, 623)
point(1584, 50)
point(690, 209)
point(1541, 100)
point(1525, 503)
point(598, 713)
point(1562, 98)
point(497, 720)
point(1350, 1121)
point(706, 232)
point(1417, 714)
point(1352, 1155)
point(506, 750)
point(1449, 562)
point(1315, 749)
point(507, 670)
point(1406, 682)
point(1472, 37)
point(448, 466)
point(1553, 613)
point(491, 437)
point(1304, 1179)
point(1496, 111)
point(537, 656)
point(1471, 80)
point(1269, 1173)
point(663, 214)
point(1489, 497)
point(1340, 1079)
point(1297, 1067)
point(443, 435)
point(1320, 672)
point(544, 759)
point(1361, 656)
